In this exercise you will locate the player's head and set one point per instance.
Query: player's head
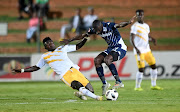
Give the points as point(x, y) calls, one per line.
point(97, 25)
point(78, 11)
point(140, 15)
point(91, 10)
point(49, 44)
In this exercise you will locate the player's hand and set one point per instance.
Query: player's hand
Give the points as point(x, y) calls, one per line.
point(14, 71)
point(138, 51)
point(132, 19)
point(154, 41)
point(91, 31)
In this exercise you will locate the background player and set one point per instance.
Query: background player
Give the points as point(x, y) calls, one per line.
point(140, 38)
point(116, 49)
point(68, 72)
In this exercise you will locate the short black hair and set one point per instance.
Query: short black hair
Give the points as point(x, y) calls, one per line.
point(139, 11)
point(46, 39)
point(96, 24)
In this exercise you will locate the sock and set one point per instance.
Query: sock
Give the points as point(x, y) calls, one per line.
point(153, 73)
point(139, 76)
point(100, 73)
point(114, 72)
point(87, 92)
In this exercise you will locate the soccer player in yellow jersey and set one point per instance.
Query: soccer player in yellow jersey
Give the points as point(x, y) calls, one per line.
point(68, 72)
point(140, 38)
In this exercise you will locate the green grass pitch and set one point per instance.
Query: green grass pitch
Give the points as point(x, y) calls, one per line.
point(57, 97)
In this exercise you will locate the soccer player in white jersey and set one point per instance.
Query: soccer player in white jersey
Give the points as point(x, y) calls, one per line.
point(116, 49)
point(68, 72)
point(140, 38)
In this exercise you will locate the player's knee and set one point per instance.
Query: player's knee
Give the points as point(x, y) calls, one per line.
point(89, 87)
point(76, 85)
point(141, 69)
point(114, 55)
point(97, 61)
point(153, 66)
point(108, 60)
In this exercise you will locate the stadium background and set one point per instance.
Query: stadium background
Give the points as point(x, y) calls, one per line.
point(163, 17)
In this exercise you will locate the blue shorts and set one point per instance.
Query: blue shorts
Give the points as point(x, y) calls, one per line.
point(116, 52)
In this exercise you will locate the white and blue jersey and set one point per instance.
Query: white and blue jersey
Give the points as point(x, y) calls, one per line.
point(114, 40)
point(112, 36)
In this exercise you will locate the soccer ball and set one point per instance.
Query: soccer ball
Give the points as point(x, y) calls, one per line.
point(111, 94)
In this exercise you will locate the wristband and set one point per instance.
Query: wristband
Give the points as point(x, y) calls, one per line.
point(87, 34)
point(22, 70)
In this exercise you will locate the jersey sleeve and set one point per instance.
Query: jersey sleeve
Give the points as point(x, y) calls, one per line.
point(111, 24)
point(69, 48)
point(148, 28)
point(41, 62)
point(133, 29)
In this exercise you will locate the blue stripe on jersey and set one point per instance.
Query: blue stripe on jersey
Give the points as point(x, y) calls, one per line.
point(110, 34)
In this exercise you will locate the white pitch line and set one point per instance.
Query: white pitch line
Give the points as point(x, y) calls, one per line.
point(25, 103)
point(27, 98)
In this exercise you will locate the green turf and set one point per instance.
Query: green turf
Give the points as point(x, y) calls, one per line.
point(57, 97)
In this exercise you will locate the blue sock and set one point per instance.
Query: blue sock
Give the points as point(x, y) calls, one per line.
point(114, 72)
point(100, 73)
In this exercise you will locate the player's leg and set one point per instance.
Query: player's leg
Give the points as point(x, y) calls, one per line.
point(99, 69)
point(139, 74)
point(83, 91)
point(77, 85)
point(89, 87)
point(84, 85)
point(139, 77)
point(153, 71)
point(114, 55)
point(76, 80)
point(108, 60)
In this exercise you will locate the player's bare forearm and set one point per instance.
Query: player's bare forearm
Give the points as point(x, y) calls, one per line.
point(132, 36)
point(78, 37)
point(151, 39)
point(123, 24)
point(80, 44)
point(30, 69)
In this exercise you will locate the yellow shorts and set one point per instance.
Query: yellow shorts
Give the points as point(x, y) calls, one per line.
point(74, 75)
point(148, 57)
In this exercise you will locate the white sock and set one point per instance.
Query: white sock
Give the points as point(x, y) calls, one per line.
point(139, 76)
point(153, 73)
point(87, 92)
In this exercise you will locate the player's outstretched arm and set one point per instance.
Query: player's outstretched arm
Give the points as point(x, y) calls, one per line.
point(80, 44)
point(78, 37)
point(30, 69)
point(123, 24)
